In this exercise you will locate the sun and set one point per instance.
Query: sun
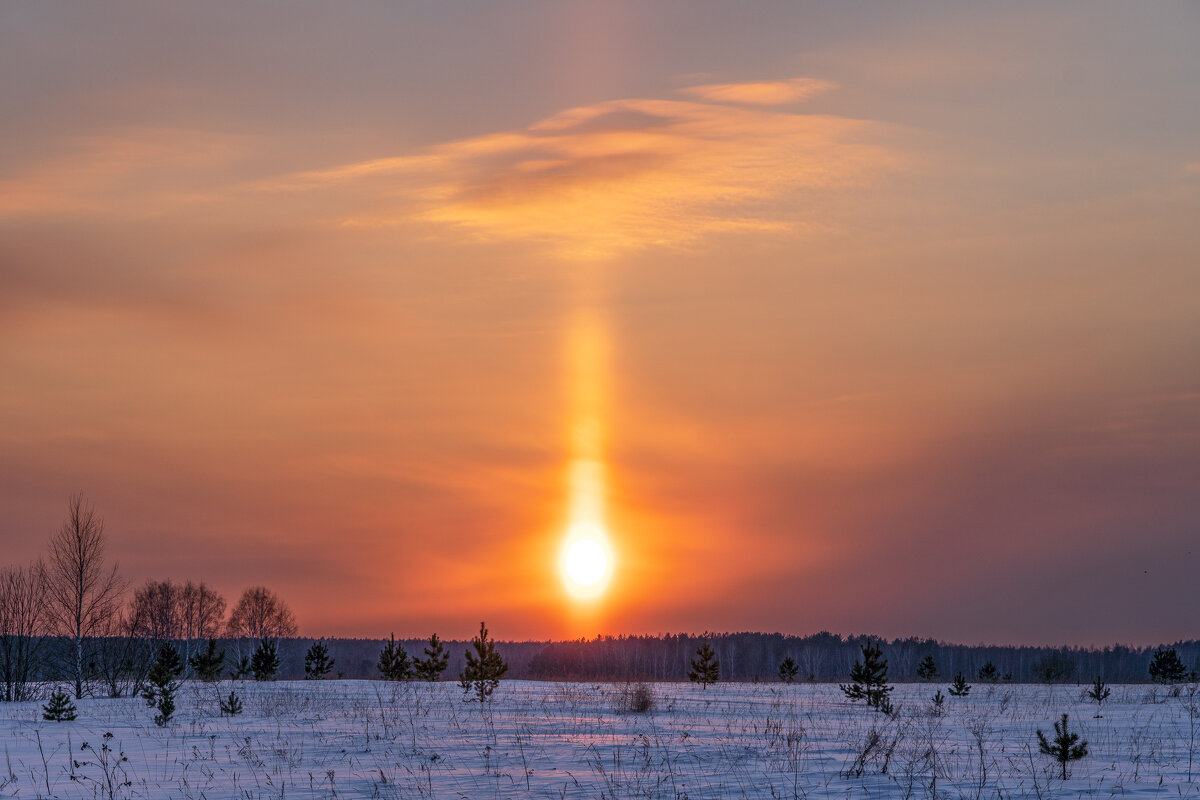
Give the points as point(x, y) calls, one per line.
point(586, 561)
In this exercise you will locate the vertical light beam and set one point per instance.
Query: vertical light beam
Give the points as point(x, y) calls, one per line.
point(587, 558)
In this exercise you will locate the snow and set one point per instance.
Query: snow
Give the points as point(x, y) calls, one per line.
point(562, 740)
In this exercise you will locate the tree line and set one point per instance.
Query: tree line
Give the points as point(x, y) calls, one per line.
point(828, 658)
point(68, 616)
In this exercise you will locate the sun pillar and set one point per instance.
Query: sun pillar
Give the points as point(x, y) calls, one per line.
point(587, 557)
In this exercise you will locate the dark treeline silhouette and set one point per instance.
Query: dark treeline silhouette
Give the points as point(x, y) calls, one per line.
point(827, 657)
point(822, 657)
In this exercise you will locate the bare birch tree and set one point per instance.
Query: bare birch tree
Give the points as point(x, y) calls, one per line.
point(202, 614)
point(156, 609)
point(261, 614)
point(22, 628)
point(82, 593)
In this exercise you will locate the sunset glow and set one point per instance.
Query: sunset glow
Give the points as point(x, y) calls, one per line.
point(550, 314)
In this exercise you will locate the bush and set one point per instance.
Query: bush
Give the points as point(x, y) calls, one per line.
point(636, 698)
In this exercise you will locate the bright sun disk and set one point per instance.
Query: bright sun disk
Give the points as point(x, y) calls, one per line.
point(586, 560)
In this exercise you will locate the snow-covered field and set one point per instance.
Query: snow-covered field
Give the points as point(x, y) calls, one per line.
point(373, 739)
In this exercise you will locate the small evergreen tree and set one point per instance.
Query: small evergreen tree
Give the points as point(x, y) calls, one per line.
point(1054, 668)
point(1066, 747)
point(869, 679)
point(1166, 667)
point(393, 662)
point(60, 708)
point(705, 668)
point(1099, 693)
point(231, 706)
point(241, 669)
point(208, 663)
point(484, 667)
point(988, 673)
point(960, 687)
point(317, 663)
point(927, 670)
point(939, 700)
point(162, 683)
point(788, 670)
point(431, 667)
point(265, 661)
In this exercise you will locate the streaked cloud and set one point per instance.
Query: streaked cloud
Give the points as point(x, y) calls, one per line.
point(761, 93)
point(615, 176)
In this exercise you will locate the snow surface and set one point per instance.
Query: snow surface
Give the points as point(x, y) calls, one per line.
point(566, 740)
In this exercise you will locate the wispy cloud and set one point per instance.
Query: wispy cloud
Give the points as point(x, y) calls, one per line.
point(761, 93)
point(615, 176)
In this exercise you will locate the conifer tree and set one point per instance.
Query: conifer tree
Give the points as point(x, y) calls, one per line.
point(231, 706)
point(1166, 667)
point(939, 700)
point(705, 668)
point(960, 687)
point(927, 670)
point(1099, 693)
point(317, 663)
point(393, 662)
point(869, 679)
point(435, 662)
point(788, 670)
point(1066, 747)
point(162, 683)
point(988, 673)
point(208, 662)
point(241, 669)
point(484, 667)
point(265, 661)
point(60, 708)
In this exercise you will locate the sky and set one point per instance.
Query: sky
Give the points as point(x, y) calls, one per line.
point(870, 318)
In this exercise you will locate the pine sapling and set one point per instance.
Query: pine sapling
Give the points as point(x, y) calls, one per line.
point(435, 662)
point(1066, 747)
point(60, 708)
point(241, 669)
point(960, 687)
point(162, 683)
point(393, 662)
point(208, 662)
point(1099, 693)
point(484, 667)
point(788, 670)
point(317, 663)
point(927, 670)
point(705, 668)
point(869, 679)
point(264, 664)
point(988, 673)
point(1167, 667)
point(231, 706)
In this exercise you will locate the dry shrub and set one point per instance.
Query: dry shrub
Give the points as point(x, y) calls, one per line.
point(636, 698)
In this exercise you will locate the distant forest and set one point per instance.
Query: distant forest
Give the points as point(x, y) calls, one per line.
point(821, 657)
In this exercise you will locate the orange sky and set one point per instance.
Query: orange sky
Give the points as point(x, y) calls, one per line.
point(872, 322)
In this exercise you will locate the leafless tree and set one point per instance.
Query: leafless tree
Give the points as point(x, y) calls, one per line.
point(156, 611)
point(22, 628)
point(260, 614)
point(202, 613)
point(83, 595)
point(183, 613)
point(123, 656)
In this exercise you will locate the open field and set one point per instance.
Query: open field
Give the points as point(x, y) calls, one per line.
point(565, 740)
